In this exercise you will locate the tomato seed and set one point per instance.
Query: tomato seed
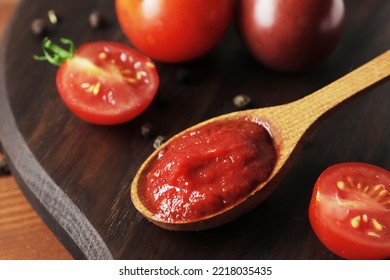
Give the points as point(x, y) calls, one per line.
point(138, 75)
point(85, 85)
point(53, 17)
point(373, 234)
point(131, 80)
point(159, 141)
point(355, 222)
point(377, 225)
point(341, 185)
point(376, 188)
point(149, 64)
point(383, 193)
point(96, 89)
point(102, 56)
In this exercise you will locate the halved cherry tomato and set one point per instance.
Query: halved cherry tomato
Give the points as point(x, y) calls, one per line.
point(174, 30)
point(103, 82)
point(350, 210)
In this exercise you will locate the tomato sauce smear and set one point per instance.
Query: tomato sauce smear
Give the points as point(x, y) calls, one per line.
point(208, 169)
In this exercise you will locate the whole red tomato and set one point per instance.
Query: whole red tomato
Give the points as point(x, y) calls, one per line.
point(174, 30)
point(290, 35)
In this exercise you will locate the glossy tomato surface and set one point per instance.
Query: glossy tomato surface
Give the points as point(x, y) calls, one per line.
point(350, 210)
point(174, 30)
point(290, 35)
point(107, 83)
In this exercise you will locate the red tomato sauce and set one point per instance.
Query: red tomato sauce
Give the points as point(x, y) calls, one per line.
point(208, 169)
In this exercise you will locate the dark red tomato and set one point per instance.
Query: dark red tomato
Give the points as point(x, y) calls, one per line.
point(290, 35)
point(106, 82)
point(350, 210)
point(174, 30)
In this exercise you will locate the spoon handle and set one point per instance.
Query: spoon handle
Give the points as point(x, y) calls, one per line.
point(372, 73)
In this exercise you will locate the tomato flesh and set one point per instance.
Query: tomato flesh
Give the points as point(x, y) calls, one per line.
point(107, 83)
point(350, 210)
point(172, 30)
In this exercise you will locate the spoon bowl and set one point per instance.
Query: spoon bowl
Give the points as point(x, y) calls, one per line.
point(288, 125)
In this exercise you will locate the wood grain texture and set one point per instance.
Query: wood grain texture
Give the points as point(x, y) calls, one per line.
point(77, 175)
point(23, 234)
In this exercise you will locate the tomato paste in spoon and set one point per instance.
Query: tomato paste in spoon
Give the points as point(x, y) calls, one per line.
point(208, 169)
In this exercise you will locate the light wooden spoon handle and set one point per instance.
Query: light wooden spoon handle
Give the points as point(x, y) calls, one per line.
point(290, 122)
point(320, 102)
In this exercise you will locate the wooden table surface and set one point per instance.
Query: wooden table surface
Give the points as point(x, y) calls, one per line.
point(23, 234)
point(74, 176)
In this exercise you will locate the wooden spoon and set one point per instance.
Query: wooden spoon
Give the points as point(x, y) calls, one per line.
point(288, 124)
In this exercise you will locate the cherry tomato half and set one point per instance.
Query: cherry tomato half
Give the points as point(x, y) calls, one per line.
point(174, 30)
point(290, 35)
point(107, 83)
point(350, 210)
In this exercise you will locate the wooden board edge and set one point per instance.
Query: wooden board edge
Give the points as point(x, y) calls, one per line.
point(41, 191)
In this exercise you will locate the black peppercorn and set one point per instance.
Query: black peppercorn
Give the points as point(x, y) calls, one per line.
point(4, 170)
point(147, 130)
point(241, 101)
point(184, 76)
point(96, 20)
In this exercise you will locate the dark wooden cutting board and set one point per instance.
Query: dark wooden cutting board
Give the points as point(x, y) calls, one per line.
point(77, 175)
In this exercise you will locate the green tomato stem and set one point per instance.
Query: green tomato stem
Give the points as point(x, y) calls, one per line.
point(55, 54)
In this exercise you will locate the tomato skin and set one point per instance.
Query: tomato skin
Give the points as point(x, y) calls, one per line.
point(290, 35)
point(353, 220)
point(99, 83)
point(174, 30)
